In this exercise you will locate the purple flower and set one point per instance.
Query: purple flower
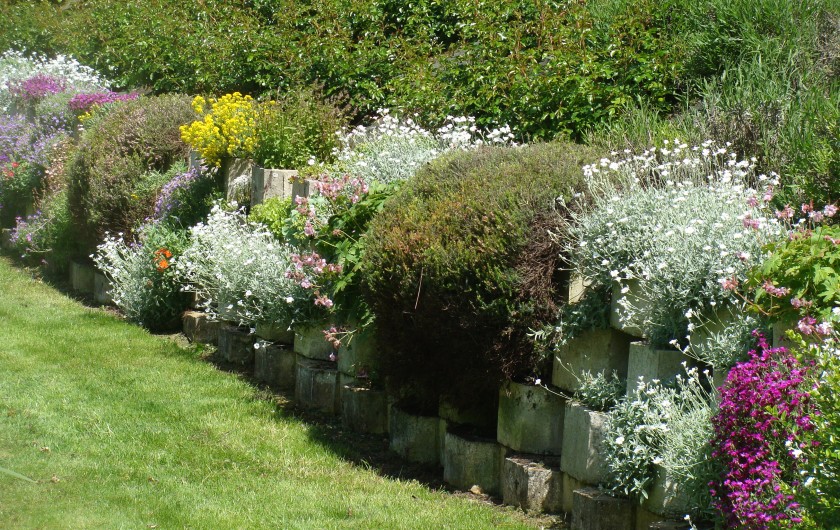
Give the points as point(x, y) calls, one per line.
point(37, 88)
point(85, 102)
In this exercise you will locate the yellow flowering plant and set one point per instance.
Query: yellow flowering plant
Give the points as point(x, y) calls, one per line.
point(227, 127)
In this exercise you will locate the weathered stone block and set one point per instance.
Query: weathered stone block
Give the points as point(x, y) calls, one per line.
point(236, 344)
point(271, 183)
point(597, 351)
point(570, 485)
point(316, 385)
point(649, 363)
point(472, 461)
point(310, 342)
point(236, 171)
point(302, 188)
point(628, 295)
point(360, 356)
point(719, 376)
point(594, 510)
point(666, 496)
point(194, 301)
point(645, 518)
point(530, 419)
point(583, 444)
point(102, 289)
point(275, 364)
point(413, 437)
point(364, 409)
point(669, 525)
point(6, 238)
point(274, 332)
point(199, 328)
point(529, 483)
point(82, 277)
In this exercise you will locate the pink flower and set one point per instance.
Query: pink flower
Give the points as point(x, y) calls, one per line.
point(772, 290)
point(729, 284)
point(786, 213)
point(824, 328)
point(806, 325)
point(830, 210)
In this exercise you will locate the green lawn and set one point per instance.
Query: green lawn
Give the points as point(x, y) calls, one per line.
point(122, 429)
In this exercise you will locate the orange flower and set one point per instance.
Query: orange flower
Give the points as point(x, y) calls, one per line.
point(162, 265)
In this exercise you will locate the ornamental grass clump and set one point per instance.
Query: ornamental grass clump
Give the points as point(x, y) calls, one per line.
point(241, 271)
point(143, 273)
point(665, 231)
point(761, 434)
point(226, 127)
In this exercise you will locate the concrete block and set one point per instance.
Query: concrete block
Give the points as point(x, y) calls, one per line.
point(275, 364)
point(414, 437)
point(360, 356)
point(81, 277)
point(529, 483)
point(194, 301)
point(597, 351)
point(780, 329)
point(482, 415)
point(666, 496)
point(594, 510)
point(271, 183)
point(236, 344)
point(645, 518)
point(570, 485)
point(236, 170)
point(199, 328)
point(316, 385)
point(364, 409)
point(310, 342)
point(530, 419)
point(302, 188)
point(6, 238)
point(472, 461)
point(275, 332)
point(102, 289)
point(583, 443)
point(649, 363)
point(620, 318)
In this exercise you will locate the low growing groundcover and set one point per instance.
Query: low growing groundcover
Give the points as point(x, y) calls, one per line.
point(119, 428)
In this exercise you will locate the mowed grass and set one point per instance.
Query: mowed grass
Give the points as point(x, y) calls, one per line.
point(122, 429)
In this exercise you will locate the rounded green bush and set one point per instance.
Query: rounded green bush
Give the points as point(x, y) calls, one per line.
point(460, 266)
point(118, 166)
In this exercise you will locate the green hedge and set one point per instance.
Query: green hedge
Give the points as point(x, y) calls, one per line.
point(460, 266)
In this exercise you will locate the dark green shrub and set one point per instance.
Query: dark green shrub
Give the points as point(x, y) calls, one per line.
point(121, 163)
point(459, 266)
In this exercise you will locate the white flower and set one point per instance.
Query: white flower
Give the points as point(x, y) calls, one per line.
point(619, 440)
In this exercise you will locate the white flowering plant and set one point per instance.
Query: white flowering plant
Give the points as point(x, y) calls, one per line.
point(241, 271)
point(663, 429)
point(371, 164)
point(666, 230)
point(145, 284)
point(16, 66)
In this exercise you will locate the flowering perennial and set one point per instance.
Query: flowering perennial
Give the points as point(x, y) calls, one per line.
point(227, 127)
point(760, 433)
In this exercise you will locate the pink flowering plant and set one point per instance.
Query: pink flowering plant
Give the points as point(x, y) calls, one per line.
point(763, 433)
point(799, 281)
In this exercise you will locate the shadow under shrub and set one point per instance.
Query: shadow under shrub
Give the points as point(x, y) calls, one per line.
point(116, 172)
point(460, 266)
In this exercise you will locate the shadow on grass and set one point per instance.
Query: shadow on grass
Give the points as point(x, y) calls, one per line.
point(368, 451)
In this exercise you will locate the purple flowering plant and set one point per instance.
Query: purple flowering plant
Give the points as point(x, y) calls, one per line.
point(35, 88)
point(84, 102)
point(189, 196)
point(762, 433)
